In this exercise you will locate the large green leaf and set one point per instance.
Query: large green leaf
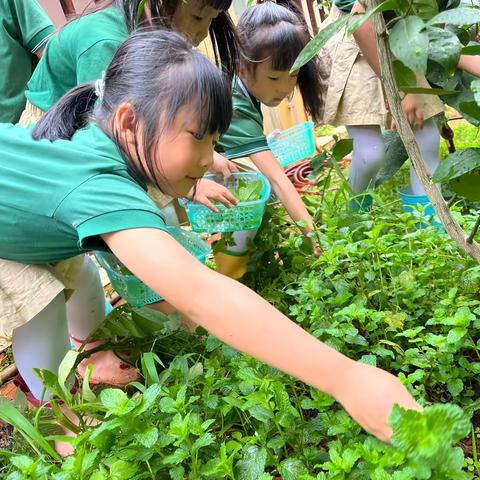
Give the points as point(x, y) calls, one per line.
point(473, 49)
point(457, 164)
point(423, 435)
point(395, 157)
point(253, 463)
point(475, 87)
point(409, 43)
point(444, 48)
point(467, 186)
point(428, 91)
point(470, 111)
point(457, 16)
point(403, 75)
point(358, 20)
point(292, 469)
point(425, 9)
point(317, 43)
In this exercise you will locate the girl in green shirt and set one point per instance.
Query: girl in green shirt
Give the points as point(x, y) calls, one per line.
point(85, 46)
point(158, 115)
point(270, 38)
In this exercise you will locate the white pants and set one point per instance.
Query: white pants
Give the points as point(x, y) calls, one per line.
point(369, 154)
point(43, 341)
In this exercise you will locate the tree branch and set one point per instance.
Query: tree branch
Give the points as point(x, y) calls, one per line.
point(408, 138)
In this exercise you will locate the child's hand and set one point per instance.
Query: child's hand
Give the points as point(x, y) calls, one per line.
point(369, 394)
point(412, 111)
point(207, 191)
point(223, 165)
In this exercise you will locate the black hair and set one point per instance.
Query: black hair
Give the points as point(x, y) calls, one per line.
point(222, 30)
point(157, 72)
point(269, 31)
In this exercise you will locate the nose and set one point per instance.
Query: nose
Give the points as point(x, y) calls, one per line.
point(206, 159)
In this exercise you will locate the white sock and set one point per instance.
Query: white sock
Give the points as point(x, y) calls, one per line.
point(41, 343)
point(428, 139)
point(368, 156)
point(86, 307)
point(242, 240)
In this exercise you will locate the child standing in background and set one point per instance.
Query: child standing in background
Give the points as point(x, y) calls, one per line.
point(270, 38)
point(24, 30)
point(355, 99)
point(157, 118)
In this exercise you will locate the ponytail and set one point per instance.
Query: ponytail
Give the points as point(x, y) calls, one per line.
point(71, 113)
point(225, 43)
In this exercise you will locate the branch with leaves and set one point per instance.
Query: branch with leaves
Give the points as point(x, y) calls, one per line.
point(442, 210)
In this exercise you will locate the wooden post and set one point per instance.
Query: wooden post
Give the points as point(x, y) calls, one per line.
point(406, 134)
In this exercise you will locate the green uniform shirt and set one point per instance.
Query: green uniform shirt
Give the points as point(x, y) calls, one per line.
point(77, 54)
point(24, 28)
point(344, 5)
point(57, 198)
point(245, 133)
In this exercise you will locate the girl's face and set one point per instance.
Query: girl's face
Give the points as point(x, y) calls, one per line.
point(192, 18)
point(182, 155)
point(267, 85)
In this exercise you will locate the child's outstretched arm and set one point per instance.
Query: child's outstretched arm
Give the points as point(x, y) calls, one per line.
point(239, 317)
point(285, 191)
point(365, 38)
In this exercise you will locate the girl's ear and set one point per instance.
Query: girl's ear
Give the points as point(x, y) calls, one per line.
point(125, 124)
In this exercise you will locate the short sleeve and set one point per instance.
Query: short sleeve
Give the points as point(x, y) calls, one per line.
point(94, 60)
point(245, 135)
point(104, 204)
point(34, 25)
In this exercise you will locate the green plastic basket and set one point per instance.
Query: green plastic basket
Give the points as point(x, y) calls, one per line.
point(294, 144)
point(133, 290)
point(243, 216)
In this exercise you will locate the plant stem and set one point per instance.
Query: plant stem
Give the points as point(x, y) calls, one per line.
point(406, 134)
point(474, 231)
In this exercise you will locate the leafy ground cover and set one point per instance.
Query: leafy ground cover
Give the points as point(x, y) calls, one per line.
point(383, 292)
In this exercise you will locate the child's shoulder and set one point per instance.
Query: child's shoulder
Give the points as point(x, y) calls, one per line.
point(87, 30)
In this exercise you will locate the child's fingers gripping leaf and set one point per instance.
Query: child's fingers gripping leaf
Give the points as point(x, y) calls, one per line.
point(236, 315)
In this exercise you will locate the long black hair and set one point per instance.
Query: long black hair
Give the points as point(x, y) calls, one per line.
point(269, 31)
point(222, 30)
point(157, 72)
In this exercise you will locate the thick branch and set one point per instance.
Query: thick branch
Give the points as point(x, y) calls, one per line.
point(408, 138)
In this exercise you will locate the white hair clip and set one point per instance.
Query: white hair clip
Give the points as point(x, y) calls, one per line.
point(100, 86)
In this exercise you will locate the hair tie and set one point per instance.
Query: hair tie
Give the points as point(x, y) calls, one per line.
point(100, 86)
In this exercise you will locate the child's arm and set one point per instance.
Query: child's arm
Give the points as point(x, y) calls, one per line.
point(223, 165)
point(365, 38)
point(284, 190)
point(239, 317)
point(470, 63)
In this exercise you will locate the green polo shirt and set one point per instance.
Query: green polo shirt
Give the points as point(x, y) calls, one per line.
point(24, 29)
point(57, 198)
point(77, 54)
point(245, 135)
point(344, 5)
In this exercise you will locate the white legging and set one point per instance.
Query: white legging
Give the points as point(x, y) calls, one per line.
point(44, 341)
point(369, 154)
